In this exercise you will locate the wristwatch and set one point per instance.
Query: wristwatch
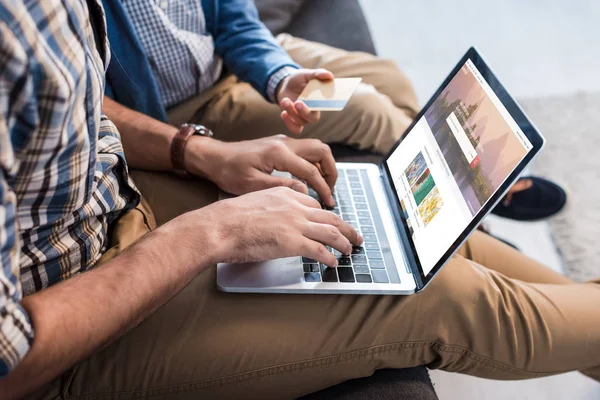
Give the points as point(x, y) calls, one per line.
point(180, 140)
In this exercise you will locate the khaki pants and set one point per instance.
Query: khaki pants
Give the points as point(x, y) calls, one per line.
point(491, 311)
point(378, 113)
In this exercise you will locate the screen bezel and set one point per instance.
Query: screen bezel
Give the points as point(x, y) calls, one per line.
point(530, 131)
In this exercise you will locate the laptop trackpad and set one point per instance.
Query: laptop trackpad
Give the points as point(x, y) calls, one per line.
point(272, 273)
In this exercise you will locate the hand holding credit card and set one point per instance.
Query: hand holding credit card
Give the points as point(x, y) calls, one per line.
point(332, 95)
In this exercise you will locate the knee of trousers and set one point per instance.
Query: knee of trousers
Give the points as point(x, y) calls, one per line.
point(376, 123)
point(399, 87)
point(477, 314)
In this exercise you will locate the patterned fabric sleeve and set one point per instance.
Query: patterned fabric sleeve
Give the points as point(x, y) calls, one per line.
point(276, 79)
point(16, 332)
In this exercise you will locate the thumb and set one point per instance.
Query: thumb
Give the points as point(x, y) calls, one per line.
point(320, 74)
point(270, 181)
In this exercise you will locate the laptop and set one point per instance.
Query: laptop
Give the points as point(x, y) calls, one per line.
point(455, 162)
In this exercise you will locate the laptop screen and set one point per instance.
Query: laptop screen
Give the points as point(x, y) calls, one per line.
point(452, 161)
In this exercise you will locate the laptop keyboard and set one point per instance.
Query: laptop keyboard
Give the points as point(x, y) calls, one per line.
point(366, 264)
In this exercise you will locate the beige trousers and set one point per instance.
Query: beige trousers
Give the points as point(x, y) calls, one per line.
point(378, 113)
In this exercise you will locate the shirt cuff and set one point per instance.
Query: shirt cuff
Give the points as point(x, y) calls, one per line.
point(276, 79)
point(16, 335)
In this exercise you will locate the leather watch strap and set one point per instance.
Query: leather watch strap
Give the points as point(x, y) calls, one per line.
point(180, 141)
point(178, 146)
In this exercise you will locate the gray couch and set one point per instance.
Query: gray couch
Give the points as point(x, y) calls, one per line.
point(341, 23)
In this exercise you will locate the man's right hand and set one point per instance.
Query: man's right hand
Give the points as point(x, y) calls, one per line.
point(276, 223)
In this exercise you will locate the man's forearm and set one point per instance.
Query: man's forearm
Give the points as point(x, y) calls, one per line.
point(147, 141)
point(81, 315)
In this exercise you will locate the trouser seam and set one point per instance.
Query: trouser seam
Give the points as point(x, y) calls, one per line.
point(308, 364)
point(486, 361)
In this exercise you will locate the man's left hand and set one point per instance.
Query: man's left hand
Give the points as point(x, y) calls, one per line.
point(294, 113)
point(244, 167)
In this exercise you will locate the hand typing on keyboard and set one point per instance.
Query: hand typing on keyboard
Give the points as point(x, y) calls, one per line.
point(245, 167)
point(278, 223)
point(366, 263)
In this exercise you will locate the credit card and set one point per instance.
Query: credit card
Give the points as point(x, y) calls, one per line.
point(330, 95)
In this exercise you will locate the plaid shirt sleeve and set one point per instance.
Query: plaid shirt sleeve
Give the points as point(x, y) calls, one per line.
point(16, 332)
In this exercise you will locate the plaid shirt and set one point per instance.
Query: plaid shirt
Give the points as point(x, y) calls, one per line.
point(181, 52)
point(63, 176)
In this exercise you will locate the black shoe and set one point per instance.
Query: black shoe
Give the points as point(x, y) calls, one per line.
point(542, 200)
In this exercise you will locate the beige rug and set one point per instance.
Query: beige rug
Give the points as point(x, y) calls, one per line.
point(571, 126)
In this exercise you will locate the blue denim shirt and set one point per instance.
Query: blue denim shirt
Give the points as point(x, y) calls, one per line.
point(246, 46)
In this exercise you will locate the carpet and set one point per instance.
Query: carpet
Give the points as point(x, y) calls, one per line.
point(571, 158)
